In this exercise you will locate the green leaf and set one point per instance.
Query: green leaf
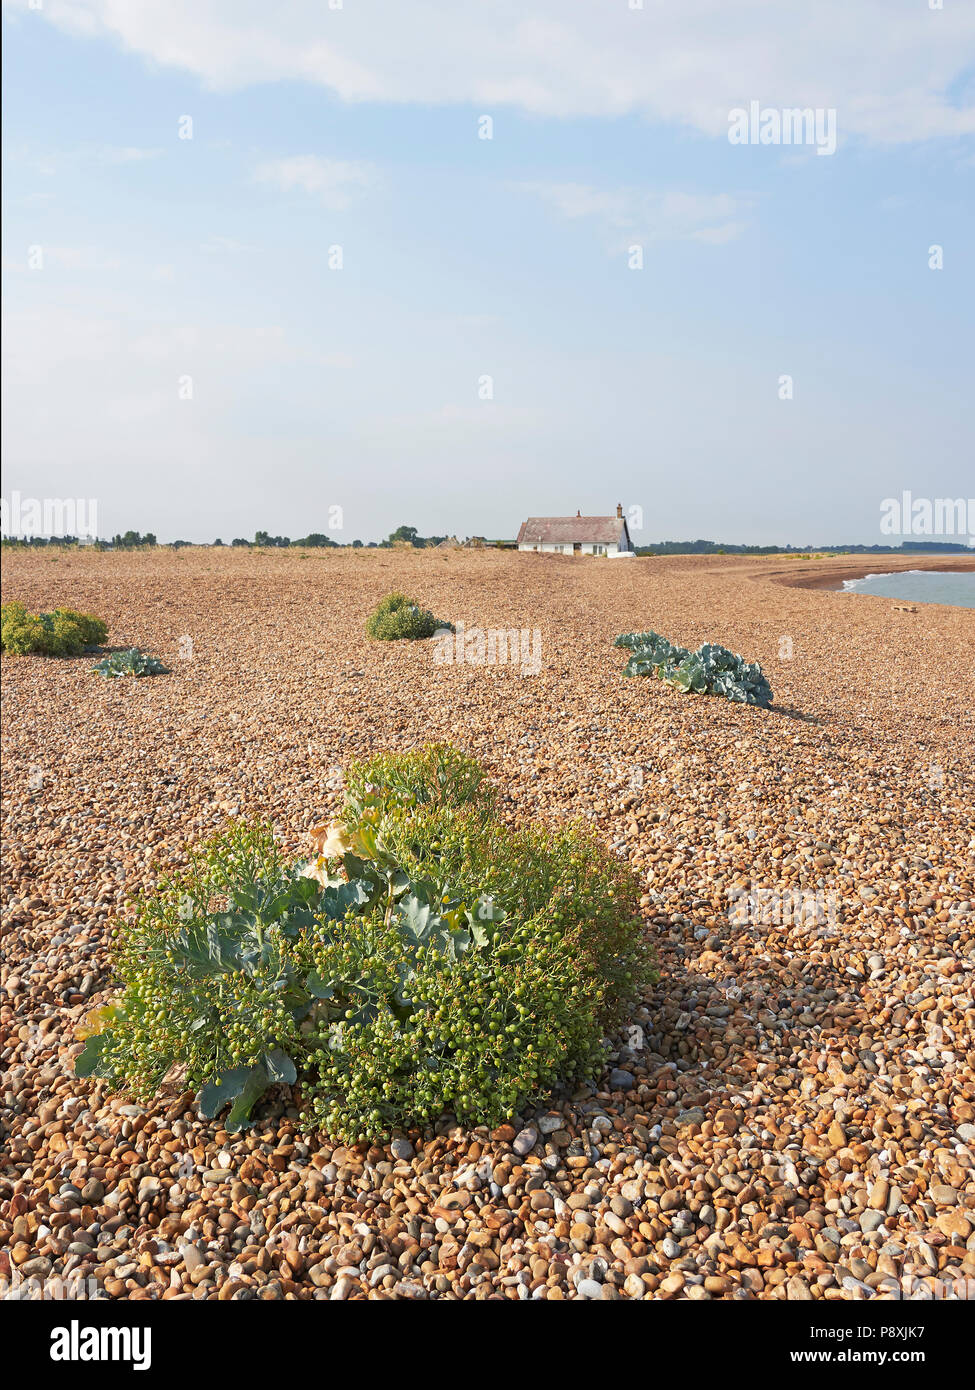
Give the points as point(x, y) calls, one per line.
point(319, 988)
point(399, 882)
point(358, 869)
point(244, 1086)
point(335, 902)
point(254, 1086)
point(414, 917)
point(90, 1061)
point(280, 1068)
point(366, 842)
point(214, 947)
point(249, 898)
point(221, 1091)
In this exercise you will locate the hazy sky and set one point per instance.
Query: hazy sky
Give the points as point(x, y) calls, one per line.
point(178, 346)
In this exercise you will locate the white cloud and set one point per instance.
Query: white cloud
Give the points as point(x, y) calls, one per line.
point(93, 358)
point(83, 259)
point(648, 216)
point(125, 154)
point(486, 416)
point(334, 182)
point(886, 65)
point(226, 245)
point(50, 163)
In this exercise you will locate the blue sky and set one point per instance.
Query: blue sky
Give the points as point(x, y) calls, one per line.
point(206, 260)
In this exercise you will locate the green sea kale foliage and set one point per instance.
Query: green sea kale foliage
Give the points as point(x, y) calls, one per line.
point(711, 670)
point(428, 957)
point(60, 633)
point(133, 662)
point(396, 617)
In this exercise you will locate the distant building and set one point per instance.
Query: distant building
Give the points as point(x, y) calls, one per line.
point(577, 535)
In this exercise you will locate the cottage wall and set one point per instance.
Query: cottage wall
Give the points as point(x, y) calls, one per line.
point(585, 549)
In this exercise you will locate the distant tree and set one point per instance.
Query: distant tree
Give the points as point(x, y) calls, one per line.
point(316, 539)
point(407, 534)
point(356, 545)
point(239, 540)
point(25, 542)
point(132, 540)
point(218, 541)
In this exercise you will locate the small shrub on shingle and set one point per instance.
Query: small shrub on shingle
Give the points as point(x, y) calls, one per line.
point(133, 663)
point(429, 957)
point(63, 632)
point(397, 617)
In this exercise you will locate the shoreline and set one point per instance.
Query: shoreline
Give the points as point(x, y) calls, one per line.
point(833, 578)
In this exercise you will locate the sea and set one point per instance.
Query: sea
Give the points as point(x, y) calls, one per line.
point(953, 587)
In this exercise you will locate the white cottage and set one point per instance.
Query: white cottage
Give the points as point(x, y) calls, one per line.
point(577, 535)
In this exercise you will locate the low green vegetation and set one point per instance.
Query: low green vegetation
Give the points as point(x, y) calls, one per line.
point(396, 617)
point(427, 958)
point(134, 663)
point(805, 552)
point(711, 670)
point(62, 632)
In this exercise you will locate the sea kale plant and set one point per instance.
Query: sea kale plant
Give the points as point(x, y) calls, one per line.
point(62, 632)
point(133, 662)
point(396, 617)
point(426, 958)
point(711, 670)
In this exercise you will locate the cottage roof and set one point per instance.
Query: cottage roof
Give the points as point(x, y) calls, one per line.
point(571, 530)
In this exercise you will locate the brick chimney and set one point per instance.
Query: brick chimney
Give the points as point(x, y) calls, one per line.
point(619, 510)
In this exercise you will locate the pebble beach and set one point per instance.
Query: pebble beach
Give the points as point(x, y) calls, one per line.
point(790, 1113)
